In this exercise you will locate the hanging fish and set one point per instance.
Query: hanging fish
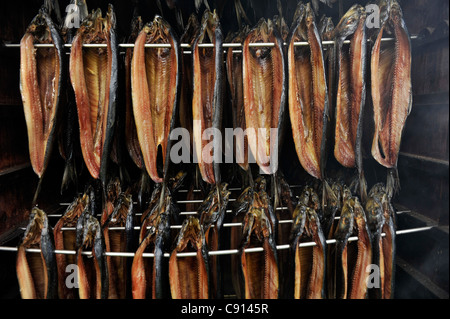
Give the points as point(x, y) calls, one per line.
point(131, 137)
point(36, 273)
point(119, 241)
point(391, 90)
point(309, 263)
point(41, 71)
point(235, 81)
point(264, 93)
point(212, 215)
point(208, 96)
point(382, 219)
point(149, 275)
point(94, 77)
point(259, 269)
point(185, 115)
point(189, 276)
point(351, 91)
point(92, 269)
point(66, 240)
point(155, 82)
point(357, 286)
point(308, 96)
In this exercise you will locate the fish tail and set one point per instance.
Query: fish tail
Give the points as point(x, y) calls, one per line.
point(392, 182)
point(69, 176)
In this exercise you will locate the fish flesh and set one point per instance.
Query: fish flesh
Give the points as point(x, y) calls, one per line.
point(189, 276)
point(149, 275)
point(358, 276)
point(212, 215)
point(41, 71)
point(66, 240)
point(93, 275)
point(308, 96)
point(259, 269)
point(351, 91)
point(36, 273)
point(235, 81)
point(155, 82)
point(309, 263)
point(265, 82)
point(207, 99)
point(118, 241)
point(94, 77)
point(131, 138)
point(381, 216)
point(391, 87)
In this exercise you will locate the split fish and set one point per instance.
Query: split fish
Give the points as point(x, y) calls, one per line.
point(93, 275)
point(391, 87)
point(212, 215)
point(66, 240)
point(235, 81)
point(351, 91)
point(36, 273)
point(94, 77)
point(207, 99)
point(308, 97)
point(155, 82)
point(265, 82)
point(41, 71)
point(189, 276)
point(149, 275)
point(119, 241)
point(309, 263)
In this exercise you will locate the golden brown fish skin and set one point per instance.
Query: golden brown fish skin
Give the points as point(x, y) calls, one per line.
point(148, 275)
point(391, 88)
point(93, 270)
point(260, 270)
point(93, 73)
point(358, 284)
point(388, 248)
point(155, 81)
point(212, 214)
point(66, 240)
point(131, 138)
point(40, 87)
point(351, 85)
point(308, 96)
point(116, 241)
point(37, 273)
point(189, 275)
point(264, 79)
point(235, 81)
point(208, 94)
point(308, 263)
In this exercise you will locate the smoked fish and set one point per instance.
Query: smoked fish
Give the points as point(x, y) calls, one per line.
point(94, 77)
point(155, 82)
point(308, 96)
point(265, 83)
point(41, 71)
point(207, 99)
point(36, 273)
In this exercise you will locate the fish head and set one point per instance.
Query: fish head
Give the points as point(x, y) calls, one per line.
point(395, 13)
point(191, 232)
point(37, 222)
point(374, 214)
point(346, 221)
point(349, 22)
point(310, 18)
point(191, 31)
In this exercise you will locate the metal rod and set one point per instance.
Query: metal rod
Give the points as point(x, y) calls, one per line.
point(186, 45)
point(213, 253)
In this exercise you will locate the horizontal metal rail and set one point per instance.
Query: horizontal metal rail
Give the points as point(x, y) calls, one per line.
point(186, 45)
point(211, 253)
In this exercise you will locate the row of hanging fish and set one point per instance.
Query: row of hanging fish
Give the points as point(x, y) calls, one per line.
point(364, 236)
point(324, 88)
